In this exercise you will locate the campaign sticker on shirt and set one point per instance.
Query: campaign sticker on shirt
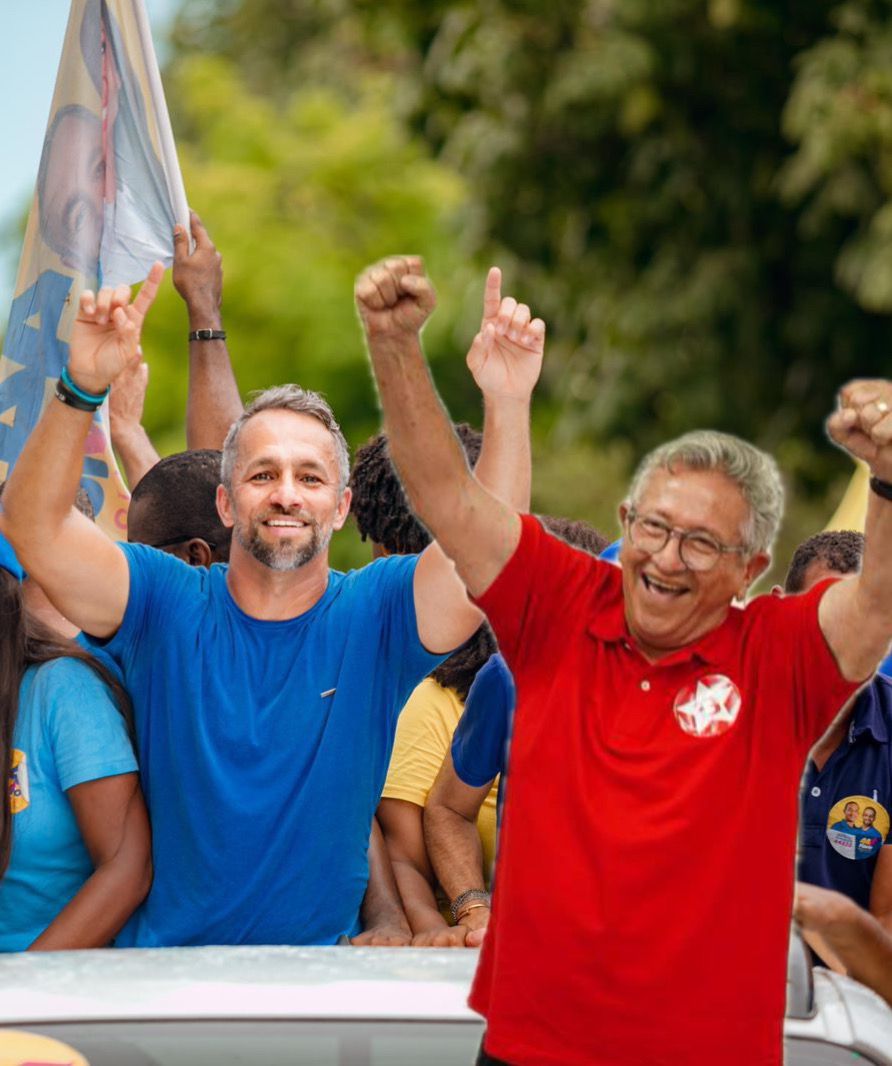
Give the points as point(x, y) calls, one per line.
point(708, 707)
point(18, 1048)
point(857, 827)
point(19, 793)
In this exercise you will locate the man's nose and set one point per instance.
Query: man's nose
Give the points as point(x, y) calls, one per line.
point(287, 492)
point(668, 558)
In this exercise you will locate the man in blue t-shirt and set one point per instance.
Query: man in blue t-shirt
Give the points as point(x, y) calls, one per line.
point(265, 692)
point(847, 788)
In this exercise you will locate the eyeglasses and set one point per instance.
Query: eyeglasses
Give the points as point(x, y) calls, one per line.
point(697, 550)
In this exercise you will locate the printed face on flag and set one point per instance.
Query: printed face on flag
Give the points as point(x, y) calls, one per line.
point(107, 196)
point(71, 188)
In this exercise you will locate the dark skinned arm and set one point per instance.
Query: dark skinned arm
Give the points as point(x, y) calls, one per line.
point(213, 401)
point(113, 822)
point(384, 921)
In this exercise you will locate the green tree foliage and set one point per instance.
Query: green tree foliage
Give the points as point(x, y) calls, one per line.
point(694, 193)
point(300, 195)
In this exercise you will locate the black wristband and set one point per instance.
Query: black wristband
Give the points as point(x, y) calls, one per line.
point(65, 394)
point(207, 335)
point(881, 488)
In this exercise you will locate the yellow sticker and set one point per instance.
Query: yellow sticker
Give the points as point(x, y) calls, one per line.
point(19, 791)
point(28, 1049)
point(857, 827)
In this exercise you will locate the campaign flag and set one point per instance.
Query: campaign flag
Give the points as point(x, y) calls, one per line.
point(108, 194)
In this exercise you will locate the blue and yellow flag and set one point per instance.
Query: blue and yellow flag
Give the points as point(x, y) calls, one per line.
point(108, 194)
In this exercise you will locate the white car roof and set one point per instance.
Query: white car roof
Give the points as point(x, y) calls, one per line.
point(237, 982)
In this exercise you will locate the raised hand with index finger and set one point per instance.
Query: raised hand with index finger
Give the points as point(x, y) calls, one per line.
point(505, 357)
point(395, 296)
point(106, 332)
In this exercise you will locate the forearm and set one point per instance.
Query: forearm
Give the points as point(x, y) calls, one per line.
point(419, 900)
point(52, 459)
point(381, 905)
point(213, 402)
point(875, 579)
point(856, 613)
point(135, 451)
point(865, 949)
point(108, 898)
point(99, 910)
point(505, 464)
point(423, 446)
point(453, 844)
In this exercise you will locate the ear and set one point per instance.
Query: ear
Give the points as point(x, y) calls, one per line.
point(755, 567)
point(623, 511)
point(343, 509)
point(224, 507)
point(198, 552)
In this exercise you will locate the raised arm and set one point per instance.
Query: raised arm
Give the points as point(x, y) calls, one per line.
point(132, 444)
point(856, 613)
point(82, 571)
point(475, 528)
point(213, 402)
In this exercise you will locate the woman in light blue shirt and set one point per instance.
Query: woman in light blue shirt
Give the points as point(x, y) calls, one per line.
point(75, 849)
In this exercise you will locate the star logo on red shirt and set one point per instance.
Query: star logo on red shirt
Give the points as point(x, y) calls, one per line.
point(708, 707)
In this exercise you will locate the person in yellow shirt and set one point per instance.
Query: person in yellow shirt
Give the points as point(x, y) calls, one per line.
point(431, 714)
point(423, 739)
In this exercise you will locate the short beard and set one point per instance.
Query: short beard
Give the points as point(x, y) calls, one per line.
point(282, 557)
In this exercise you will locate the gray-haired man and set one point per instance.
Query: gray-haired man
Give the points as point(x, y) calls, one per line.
point(642, 690)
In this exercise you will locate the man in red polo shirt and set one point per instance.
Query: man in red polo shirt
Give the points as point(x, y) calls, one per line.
point(660, 939)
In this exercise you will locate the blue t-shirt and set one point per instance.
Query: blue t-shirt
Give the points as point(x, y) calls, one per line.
point(480, 741)
point(263, 747)
point(832, 853)
point(68, 730)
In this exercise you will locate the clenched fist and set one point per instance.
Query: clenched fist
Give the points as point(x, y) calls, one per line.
point(862, 424)
point(395, 296)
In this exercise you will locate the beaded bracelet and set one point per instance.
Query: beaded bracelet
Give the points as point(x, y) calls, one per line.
point(472, 895)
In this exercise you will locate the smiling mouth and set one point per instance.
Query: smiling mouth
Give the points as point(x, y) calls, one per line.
point(285, 523)
point(660, 588)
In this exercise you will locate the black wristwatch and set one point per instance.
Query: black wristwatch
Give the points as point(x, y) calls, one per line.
point(207, 335)
point(881, 488)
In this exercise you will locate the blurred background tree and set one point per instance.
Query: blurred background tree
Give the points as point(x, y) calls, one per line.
point(695, 195)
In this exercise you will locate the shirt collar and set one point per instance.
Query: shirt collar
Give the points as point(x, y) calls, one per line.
point(869, 716)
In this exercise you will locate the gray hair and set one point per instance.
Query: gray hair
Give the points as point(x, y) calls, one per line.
point(753, 471)
point(286, 398)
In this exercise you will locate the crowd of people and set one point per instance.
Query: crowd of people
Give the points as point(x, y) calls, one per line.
point(214, 738)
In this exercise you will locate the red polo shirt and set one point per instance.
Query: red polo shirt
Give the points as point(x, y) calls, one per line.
point(645, 875)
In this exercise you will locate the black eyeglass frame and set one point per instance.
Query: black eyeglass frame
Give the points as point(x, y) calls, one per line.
point(684, 537)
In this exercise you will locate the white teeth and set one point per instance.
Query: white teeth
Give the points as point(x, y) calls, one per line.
point(659, 586)
point(287, 525)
